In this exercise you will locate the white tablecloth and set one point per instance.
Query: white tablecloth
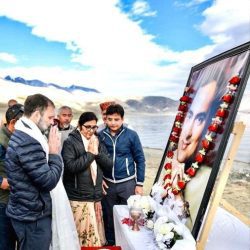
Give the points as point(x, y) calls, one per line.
point(228, 233)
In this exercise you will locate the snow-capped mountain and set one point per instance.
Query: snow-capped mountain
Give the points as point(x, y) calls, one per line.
point(38, 83)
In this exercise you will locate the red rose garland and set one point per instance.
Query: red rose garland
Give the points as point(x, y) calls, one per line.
point(216, 127)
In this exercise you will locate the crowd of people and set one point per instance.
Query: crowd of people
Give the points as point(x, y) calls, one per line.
point(43, 159)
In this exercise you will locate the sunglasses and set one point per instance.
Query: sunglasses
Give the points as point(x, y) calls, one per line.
point(89, 127)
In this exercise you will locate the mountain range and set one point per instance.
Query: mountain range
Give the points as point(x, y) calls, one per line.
point(151, 104)
point(80, 98)
point(38, 83)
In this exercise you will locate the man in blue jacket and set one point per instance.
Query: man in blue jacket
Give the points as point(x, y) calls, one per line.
point(8, 236)
point(127, 175)
point(33, 167)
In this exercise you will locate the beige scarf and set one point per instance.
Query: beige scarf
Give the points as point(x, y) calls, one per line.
point(93, 166)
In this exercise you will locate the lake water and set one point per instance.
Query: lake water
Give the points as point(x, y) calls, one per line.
point(154, 129)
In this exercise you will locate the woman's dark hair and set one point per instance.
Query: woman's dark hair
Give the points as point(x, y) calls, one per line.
point(115, 109)
point(86, 117)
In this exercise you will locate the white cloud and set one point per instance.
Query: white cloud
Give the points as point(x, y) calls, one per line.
point(189, 3)
point(142, 8)
point(150, 80)
point(9, 58)
point(227, 23)
point(122, 58)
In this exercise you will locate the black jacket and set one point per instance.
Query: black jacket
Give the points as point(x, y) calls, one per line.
point(77, 178)
point(30, 177)
point(4, 139)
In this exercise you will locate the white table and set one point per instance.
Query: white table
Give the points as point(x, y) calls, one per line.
point(143, 239)
point(228, 233)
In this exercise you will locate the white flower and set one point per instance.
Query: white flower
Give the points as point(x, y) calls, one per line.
point(144, 202)
point(161, 245)
point(145, 205)
point(171, 225)
point(137, 204)
point(133, 200)
point(168, 236)
point(150, 224)
point(159, 237)
point(164, 229)
point(157, 189)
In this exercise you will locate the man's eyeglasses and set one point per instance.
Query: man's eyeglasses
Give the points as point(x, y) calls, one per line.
point(89, 127)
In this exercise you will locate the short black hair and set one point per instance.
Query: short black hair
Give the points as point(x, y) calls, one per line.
point(36, 102)
point(14, 112)
point(86, 117)
point(115, 109)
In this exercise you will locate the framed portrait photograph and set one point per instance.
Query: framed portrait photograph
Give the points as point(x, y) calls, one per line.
point(201, 130)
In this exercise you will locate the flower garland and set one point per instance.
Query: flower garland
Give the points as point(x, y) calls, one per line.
point(216, 127)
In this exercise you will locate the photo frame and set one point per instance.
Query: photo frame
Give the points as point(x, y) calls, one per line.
point(201, 130)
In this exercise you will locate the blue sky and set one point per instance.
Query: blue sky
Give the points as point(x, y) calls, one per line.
point(118, 47)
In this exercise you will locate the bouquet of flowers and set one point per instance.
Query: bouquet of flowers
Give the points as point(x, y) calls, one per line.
point(147, 204)
point(167, 232)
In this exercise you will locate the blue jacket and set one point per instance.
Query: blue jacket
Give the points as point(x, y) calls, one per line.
point(30, 177)
point(128, 156)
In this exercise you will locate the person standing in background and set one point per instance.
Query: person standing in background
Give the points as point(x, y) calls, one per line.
point(103, 107)
point(10, 103)
point(33, 167)
point(8, 236)
point(65, 117)
point(127, 175)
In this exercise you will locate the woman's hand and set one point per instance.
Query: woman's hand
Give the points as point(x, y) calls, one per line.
point(93, 145)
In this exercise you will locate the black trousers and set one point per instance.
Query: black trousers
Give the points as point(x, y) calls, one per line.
point(117, 194)
point(33, 235)
point(8, 236)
